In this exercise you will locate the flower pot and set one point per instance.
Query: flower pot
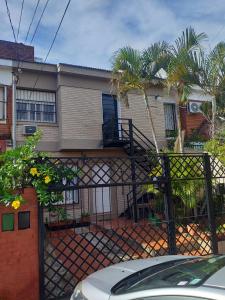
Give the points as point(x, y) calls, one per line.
point(66, 224)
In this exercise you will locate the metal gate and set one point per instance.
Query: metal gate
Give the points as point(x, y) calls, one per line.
point(130, 208)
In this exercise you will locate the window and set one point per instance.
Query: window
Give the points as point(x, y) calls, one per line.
point(170, 118)
point(71, 196)
point(3, 101)
point(35, 106)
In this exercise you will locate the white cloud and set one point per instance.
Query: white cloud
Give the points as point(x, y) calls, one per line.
point(94, 29)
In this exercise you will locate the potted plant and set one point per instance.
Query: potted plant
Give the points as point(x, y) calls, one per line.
point(59, 219)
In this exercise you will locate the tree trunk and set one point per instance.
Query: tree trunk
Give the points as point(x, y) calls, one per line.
point(213, 127)
point(149, 113)
point(179, 129)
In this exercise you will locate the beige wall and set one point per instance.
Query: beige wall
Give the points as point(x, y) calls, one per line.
point(80, 118)
point(46, 81)
point(50, 137)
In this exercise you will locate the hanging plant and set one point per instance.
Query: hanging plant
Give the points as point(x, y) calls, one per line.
point(24, 166)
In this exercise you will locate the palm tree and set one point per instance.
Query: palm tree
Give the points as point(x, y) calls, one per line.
point(183, 71)
point(135, 70)
point(212, 81)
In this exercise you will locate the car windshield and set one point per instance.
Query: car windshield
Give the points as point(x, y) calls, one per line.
point(177, 273)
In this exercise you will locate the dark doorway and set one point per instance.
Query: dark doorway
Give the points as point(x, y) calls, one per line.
point(110, 117)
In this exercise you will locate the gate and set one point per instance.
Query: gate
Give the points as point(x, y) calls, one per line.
point(122, 208)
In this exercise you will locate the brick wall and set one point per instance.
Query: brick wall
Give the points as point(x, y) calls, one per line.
point(5, 128)
point(19, 271)
point(15, 51)
point(192, 122)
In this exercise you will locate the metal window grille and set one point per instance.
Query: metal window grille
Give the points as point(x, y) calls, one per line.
point(36, 106)
point(170, 117)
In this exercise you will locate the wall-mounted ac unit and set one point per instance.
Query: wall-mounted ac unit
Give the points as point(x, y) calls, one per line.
point(29, 129)
point(194, 107)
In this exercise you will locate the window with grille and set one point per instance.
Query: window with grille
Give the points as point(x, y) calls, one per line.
point(35, 106)
point(3, 101)
point(170, 119)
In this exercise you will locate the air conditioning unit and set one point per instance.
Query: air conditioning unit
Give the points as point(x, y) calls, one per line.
point(29, 129)
point(194, 107)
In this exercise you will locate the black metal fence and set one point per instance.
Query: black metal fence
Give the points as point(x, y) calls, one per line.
point(122, 208)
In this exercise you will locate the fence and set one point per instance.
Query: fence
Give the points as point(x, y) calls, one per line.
point(122, 208)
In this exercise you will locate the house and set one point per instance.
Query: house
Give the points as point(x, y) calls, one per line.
point(79, 117)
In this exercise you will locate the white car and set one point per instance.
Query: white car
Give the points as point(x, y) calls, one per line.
point(161, 278)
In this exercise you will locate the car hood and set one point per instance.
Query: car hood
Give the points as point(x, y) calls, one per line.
point(101, 282)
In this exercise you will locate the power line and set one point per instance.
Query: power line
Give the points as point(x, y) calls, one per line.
point(53, 41)
point(10, 20)
point(21, 13)
point(35, 10)
point(13, 31)
point(39, 21)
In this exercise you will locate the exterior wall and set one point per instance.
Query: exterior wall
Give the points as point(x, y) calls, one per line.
point(137, 112)
point(46, 82)
point(19, 270)
point(191, 122)
point(80, 118)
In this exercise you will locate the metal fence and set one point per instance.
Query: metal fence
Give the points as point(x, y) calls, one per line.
point(122, 208)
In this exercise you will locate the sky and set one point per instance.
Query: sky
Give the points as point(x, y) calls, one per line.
point(94, 29)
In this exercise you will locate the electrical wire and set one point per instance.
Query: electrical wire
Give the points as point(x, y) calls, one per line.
point(10, 20)
point(35, 10)
point(21, 13)
point(53, 41)
point(39, 21)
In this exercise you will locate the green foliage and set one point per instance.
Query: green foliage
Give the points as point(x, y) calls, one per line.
point(23, 167)
point(216, 146)
point(186, 193)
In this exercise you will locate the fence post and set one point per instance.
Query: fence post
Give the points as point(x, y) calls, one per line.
point(169, 207)
point(209, 201)
point(133, 169)
point(41, 238)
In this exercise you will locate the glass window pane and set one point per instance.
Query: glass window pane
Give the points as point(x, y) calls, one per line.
point(22, 110)
point(8, 222)
point(36, 106)
point(48, 113)
point(32, 112)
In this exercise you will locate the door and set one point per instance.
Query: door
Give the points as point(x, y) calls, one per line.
point(101, 195)
point(110, 117)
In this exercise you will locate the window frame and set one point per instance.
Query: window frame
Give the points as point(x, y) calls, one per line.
point(4, 103)
point(41, 111)
point(169, 132)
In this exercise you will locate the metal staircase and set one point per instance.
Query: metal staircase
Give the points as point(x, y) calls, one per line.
point(123, 133)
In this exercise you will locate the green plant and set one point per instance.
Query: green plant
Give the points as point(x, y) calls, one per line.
point(23, 167)
point(187, 194)
point(85, 214)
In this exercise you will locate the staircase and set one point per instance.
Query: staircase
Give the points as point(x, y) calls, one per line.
point(123, 133)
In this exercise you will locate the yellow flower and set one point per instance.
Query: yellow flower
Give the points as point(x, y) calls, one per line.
point(33, 171)
point(38, 174)
point(47, 179)
point(16, 204)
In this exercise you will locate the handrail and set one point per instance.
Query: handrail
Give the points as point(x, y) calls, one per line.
point(143, 135)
